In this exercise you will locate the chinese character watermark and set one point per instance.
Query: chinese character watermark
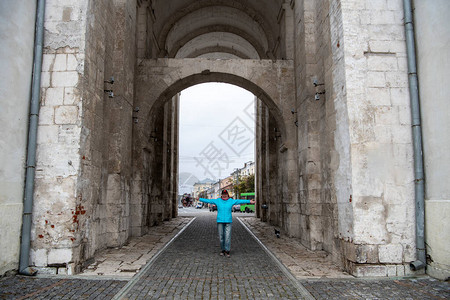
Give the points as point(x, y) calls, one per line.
point(237, 136)
point(213, 159)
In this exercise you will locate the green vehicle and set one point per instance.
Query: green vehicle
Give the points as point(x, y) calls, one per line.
point(248, 208)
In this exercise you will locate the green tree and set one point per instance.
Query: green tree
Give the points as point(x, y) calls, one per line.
point(244, 184)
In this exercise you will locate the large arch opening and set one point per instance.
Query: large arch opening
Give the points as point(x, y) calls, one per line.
point(156, 147)
point(216, 134)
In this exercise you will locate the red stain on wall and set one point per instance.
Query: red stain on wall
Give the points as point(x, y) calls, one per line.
point(79, 210)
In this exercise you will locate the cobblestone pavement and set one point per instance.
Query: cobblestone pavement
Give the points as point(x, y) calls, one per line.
point(190, 266)
point(126, 261)
point(21, 287)
point(301, 262)
point(423, 288)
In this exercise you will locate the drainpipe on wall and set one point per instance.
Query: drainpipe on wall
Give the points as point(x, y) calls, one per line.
point(420, 263)
point(24, 267)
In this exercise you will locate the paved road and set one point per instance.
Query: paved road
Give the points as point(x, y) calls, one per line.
point(190, 268)
point(21, 287)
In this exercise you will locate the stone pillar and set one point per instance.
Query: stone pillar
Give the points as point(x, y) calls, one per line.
point(262, 178)
point(166, 158)
point(274, 181)
point(309, 123)
point(121, 122)
point(174, 156)
point(371, 51)
point(84, 153)
point(286, 21)
point(58, 213)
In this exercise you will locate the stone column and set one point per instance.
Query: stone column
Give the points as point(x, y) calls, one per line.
point(371, 51)
point(120, 123)
point(58, 214)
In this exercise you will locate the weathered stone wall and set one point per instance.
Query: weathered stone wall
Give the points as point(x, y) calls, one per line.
point(355, 154)
point(91, 189)
point(120, 122)
point(15, 82)
point(382, 194)
point(56, 230)
point(271, 188)
point(84, 141)
point(310, 115)
point(381, 146)
point(154, 192)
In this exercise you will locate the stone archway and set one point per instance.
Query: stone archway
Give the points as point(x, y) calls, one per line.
point(349, 200)
point(155, 131)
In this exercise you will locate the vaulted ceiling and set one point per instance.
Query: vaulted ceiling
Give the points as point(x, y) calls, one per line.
point(246, 29)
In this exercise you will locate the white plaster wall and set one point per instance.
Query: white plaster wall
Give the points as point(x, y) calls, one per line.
point(432, 27)
point(16, 63)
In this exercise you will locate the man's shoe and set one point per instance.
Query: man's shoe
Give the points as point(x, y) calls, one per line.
point(227, 253)
point(222, 253)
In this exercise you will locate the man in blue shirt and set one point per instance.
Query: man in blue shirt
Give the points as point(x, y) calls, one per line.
point(224, 218)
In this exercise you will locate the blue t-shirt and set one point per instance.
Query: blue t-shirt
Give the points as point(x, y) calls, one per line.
point(224, 207)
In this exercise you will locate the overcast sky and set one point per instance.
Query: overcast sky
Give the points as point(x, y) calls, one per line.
point(216, 131)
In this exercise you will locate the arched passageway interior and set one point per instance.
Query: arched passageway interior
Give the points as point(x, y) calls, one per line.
point(129, 139)
point(213, 39)
point(212, 29)
point(330, 116)
point(158, 137)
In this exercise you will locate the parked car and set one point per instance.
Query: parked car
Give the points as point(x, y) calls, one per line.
point(212, 207)
point(199, 205)
point(236, 207)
